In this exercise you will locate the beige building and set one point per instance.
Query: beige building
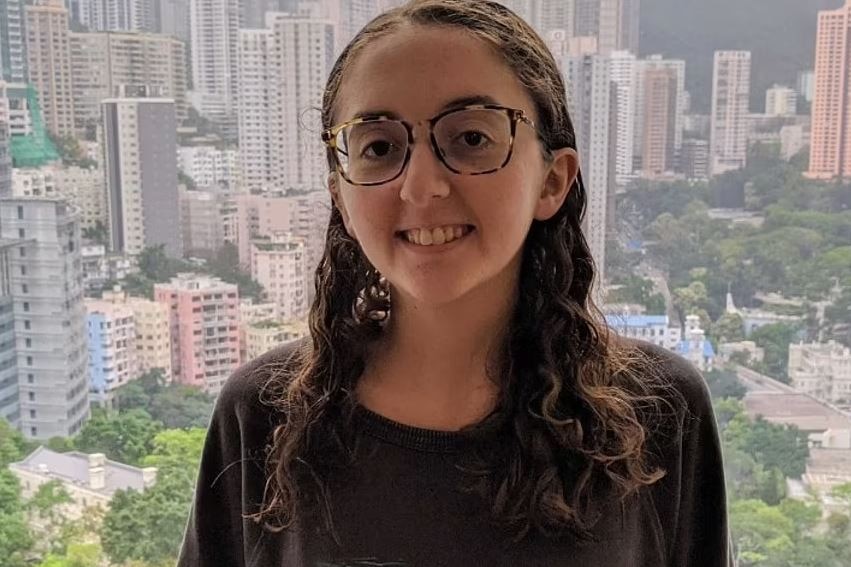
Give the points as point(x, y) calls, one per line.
point(83, 188)
point(263, 336)
point(113, 356)
point(91, 480)
point(201, 221)
point(103, 61)
point(250, 313)
point(822, 370)
point(153, 331)
point(305, 215)
point(49, 62)
point(278, 263)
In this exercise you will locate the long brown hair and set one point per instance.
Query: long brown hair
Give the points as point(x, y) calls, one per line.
point(580, 402)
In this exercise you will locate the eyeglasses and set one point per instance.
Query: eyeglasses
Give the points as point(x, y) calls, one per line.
point(472, 140)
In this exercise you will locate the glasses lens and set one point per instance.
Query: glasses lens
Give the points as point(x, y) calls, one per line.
point(474, 140)
point(372, 152)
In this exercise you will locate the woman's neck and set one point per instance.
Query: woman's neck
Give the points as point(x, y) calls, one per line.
point(430, 368)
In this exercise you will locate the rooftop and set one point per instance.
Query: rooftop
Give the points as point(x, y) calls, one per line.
point(73, 468)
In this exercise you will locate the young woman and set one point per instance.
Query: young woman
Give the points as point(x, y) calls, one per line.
point(459, 401)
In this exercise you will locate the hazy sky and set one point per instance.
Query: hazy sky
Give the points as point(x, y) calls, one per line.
point(780, 33)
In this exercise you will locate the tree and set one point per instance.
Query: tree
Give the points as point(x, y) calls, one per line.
point(784, 447)
point(77, 555)
point(157, 516)
point(728, 328)
point(126, 437)
point(635, 289)
point(775, 339)
point(15, 538)
point(723, 384)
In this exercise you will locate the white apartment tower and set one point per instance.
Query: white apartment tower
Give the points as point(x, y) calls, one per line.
point(140, 148)
point(282, 78)
point(731, 82)
point(46, 279)
point(592, 99)
point(214, 30)
point(624, 75)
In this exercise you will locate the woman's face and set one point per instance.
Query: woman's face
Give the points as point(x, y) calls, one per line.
point(416, 73)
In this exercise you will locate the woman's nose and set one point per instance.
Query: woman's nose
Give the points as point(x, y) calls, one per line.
point(425, 177)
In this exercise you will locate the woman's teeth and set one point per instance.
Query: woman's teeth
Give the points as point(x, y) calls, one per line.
point(439, 235)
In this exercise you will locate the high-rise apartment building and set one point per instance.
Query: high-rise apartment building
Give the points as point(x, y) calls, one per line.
point(204, 329)
point(592, 99)
point(171, 17)
point(83, 188)
point(282, 78)
point(113, 355)
point(278, 263)
point(624, 69)
point(118, 15)
point(660, 121)
point(656, 64)
point(781, 101)
point(214, 32)
point(731, 82)
point(105, 61)
point(46, 279)
point(13, 45)
point(830, 143)
point(10, 408)
point(201, 221)
point(153, 331)
point(140, 147)
point(49, 63)
point(304, 215)
point(613, 22)
point(5, 144)
point(211, 167)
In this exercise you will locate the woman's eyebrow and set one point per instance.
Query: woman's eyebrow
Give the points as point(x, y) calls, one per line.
point(454, 103)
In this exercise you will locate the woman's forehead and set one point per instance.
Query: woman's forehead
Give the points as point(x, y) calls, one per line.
point(416, 71)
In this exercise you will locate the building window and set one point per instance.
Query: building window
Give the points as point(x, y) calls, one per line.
point(29, 361)
point(32, 395)
point(22, 233)
point(20, 212)
point(25, 288)
point(23, 251)
point(27, 324)
point(30, 378)
point(32, 414)
point(29, 342)
point(23, 270)
point(33, 431)
point(26, 305)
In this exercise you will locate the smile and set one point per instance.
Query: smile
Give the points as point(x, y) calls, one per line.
point(436, 236)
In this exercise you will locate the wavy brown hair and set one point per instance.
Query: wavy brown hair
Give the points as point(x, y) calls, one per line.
point(578, 403)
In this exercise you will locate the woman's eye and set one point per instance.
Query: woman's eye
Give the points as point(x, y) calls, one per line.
point(474, 139)
point(379, 148)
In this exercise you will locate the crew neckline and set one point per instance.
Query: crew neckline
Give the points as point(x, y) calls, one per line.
point(424, 439)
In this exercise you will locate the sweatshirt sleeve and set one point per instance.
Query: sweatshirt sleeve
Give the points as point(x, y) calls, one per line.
point(693, 502)
point(231, 474)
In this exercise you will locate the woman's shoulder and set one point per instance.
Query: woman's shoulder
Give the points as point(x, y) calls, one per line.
point(682, 378)
point(243, 394)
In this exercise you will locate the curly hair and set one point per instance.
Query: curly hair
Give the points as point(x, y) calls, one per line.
point(578, 402)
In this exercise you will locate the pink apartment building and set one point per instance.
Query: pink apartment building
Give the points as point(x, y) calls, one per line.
point(830, 145)
point(204, 314)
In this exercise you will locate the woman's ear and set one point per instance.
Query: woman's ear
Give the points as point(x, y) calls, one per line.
point(560, 177)
point(334, 188)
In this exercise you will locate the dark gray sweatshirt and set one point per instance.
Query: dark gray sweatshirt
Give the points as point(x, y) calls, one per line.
point(402, 506)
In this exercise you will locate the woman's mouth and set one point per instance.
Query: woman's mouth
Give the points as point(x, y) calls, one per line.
point(436, 236)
